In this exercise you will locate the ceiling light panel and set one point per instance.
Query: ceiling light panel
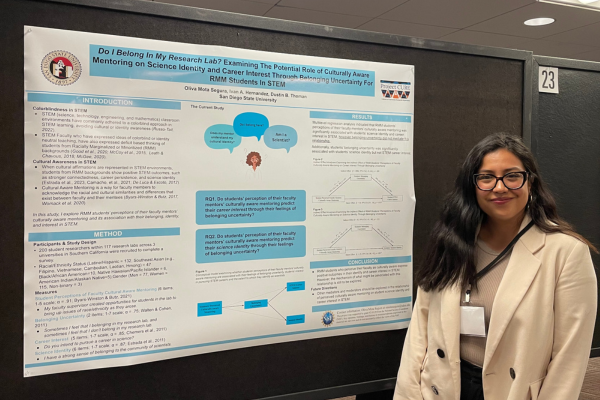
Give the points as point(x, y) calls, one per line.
point(587, 4)
point(539, 21)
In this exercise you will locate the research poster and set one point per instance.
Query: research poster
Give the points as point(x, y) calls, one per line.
point(183, 199)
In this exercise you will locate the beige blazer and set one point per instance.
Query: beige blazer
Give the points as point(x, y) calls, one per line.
point(540, 330)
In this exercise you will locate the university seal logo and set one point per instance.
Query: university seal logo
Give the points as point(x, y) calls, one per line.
point(61, 68)
point(327, 319)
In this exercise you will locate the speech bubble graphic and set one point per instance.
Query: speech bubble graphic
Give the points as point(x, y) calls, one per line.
point(222, 136)
point(281, 137)
point(250, 124)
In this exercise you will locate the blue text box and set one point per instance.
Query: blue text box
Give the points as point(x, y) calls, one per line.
point(360, 261)
point(103, 234)
point(210, 308)
point(360, 116)
point(249, 206)
point(256, 304)
point(251, 243)
point(130, 63)
point(294, 319)
point(295, 286)
point(103, 101)
point(359, 304)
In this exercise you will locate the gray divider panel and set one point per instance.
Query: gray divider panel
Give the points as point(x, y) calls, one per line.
point(566, 141)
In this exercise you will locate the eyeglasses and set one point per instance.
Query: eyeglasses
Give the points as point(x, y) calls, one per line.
point(512, 180)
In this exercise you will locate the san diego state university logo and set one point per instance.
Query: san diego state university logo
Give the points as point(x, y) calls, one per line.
point(61, 68)
point(327, 319)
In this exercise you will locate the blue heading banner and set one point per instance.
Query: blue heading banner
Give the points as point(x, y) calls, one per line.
point(360, 116)
point(128, 63)
point(360, 261)
point(102, 101)
point(102, 234)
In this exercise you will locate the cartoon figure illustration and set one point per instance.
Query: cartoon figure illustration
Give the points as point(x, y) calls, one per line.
point(253, 159)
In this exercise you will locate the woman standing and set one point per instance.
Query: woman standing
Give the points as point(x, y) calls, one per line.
point(507, 295)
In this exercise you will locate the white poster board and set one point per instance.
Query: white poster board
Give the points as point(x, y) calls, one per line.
point(183, 199)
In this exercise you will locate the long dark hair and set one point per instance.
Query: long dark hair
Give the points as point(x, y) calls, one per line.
point(450, 255)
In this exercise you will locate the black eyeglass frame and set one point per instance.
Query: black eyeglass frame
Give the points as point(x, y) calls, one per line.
point(501, 178)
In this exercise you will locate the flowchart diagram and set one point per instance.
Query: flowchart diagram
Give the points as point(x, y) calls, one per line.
point(359, 237)
point(362, 187)
point(261, 305)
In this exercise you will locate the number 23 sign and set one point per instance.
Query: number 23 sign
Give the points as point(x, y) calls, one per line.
point(548, 80)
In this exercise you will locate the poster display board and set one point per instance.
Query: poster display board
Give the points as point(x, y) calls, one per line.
point(183, 199)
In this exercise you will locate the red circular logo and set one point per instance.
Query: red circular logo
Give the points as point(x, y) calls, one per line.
point(61, 68)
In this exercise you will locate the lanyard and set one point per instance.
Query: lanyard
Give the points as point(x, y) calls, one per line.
point(497, 260)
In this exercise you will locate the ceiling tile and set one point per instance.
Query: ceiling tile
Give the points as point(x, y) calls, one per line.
point(485, 39)
point(237, 6)
point(405, 28)
point(589, 56)
point(361, 8)
point(316, 17)
point(511, 23)
point(555, 49)
point(452, 13)
point(272, 2)
point(538, 47)
point(587, 35)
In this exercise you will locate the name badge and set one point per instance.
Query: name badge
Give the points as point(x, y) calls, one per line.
point(472, 321)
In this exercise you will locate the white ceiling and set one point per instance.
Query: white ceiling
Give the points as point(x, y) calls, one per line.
point(498, 23)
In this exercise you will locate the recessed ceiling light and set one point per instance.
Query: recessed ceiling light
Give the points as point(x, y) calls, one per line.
point(539, 21)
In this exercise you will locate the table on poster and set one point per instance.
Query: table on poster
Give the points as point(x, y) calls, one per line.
point(183, 199)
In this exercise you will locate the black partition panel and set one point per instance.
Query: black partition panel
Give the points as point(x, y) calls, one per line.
point(566, 141)
point(463, 93)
